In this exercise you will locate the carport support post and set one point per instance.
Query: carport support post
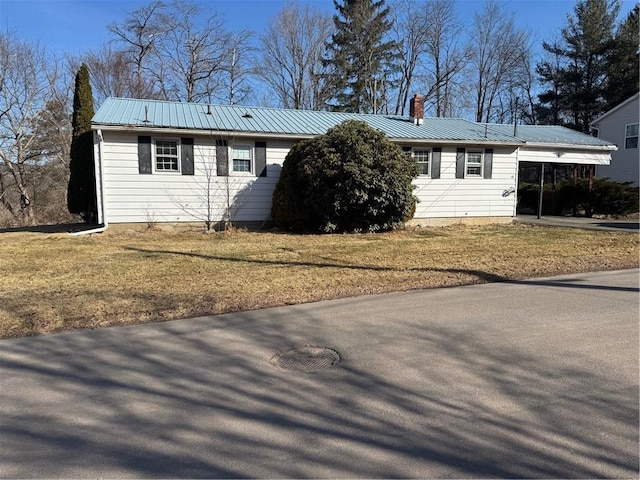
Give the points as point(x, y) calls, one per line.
point(541, 190)
point(574, 181)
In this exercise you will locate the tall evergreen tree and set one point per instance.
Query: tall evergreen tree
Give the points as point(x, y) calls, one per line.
point(81, 194)
point(360, 56)
point(552, 72)
point(585, 49)
point(624, 66)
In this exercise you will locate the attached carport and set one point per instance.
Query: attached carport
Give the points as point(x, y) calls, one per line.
point(579, 163)
point(550, 149)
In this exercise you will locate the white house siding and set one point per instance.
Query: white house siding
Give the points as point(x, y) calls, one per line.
point(131, 197)
point(625, 162)
point(448, 197)
point(563, 155)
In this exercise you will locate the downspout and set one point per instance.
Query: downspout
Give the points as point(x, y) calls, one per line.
point(99, 169)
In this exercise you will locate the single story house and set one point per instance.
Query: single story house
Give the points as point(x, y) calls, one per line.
point(159, 161)
point(620, 127)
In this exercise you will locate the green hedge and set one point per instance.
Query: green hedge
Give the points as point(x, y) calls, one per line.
point(606, 197)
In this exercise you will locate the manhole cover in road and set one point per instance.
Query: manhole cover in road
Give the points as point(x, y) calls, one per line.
point(308, 358)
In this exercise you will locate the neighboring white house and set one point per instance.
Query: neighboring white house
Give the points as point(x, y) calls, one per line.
point(183, 162)
point(620, 127)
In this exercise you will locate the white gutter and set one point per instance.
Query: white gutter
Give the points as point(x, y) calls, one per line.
point(214, 133)
point(570, 146)
point(99, 168)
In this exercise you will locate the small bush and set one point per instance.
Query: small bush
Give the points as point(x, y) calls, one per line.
point(352, 179)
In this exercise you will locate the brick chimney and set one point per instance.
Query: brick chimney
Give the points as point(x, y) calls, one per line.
point(416, 109)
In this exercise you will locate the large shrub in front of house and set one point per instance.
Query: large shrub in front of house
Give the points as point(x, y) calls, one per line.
point(351, 179)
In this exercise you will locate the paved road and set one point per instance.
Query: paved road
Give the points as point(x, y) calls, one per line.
point(529, 379)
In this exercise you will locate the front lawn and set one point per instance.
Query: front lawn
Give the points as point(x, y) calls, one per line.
point(53, 282)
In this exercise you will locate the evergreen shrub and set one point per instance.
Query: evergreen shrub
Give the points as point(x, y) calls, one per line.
point(606, 198)
point(352, 179)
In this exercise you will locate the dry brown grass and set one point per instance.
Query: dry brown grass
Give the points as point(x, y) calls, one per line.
point(52, 282)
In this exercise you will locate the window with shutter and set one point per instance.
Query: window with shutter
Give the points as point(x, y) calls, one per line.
point(422, 159)
point(241, 156)
point(166, 156)
point(474, 163)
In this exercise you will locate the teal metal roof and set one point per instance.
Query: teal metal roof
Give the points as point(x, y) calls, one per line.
point(259, 120)
point(153, 114)
point(550, 135)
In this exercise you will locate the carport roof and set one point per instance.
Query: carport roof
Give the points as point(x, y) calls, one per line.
point(551, 135)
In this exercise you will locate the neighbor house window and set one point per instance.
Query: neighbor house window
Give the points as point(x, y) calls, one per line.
point(422, 159)
point(167, 156)
point(474, 163)
point(241, 156)
point(631, 136)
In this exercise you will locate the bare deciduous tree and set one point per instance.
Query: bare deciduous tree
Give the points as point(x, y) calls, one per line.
point(191, 56)
point(140, 32)
point(238, 69)
point(432, 55)
point(446, 56)
point(291, 56)
point(215, 199)
point(497, 49)
point(410, 33)
point(25, 88)
point(112, 75)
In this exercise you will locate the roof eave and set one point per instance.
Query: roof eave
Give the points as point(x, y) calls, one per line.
point(452, 141)
point(596, 121)
point(195, 131)
point(571, 146)
point(288, 136)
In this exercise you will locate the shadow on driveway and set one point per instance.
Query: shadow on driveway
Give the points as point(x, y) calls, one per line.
point(199, 399)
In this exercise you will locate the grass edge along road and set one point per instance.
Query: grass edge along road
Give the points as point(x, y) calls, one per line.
point(55, 282)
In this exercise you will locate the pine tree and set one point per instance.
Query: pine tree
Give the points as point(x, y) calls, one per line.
point(361, 58)
point(577, 83)
point(81, 194)
point(589, 38)
point(552, 73)
point(624, 67)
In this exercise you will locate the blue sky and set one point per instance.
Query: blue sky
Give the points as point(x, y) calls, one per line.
point(74, 26)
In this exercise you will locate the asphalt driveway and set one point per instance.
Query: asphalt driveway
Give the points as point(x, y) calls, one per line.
point(622, 226)
point(526, 379)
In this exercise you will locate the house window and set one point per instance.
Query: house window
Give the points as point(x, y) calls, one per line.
point(167, 156)
point(631, 136)
point(422, 159)
point(241, 156)
point(474, 163)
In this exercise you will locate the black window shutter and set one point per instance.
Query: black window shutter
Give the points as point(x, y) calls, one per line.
point(222, 158)
point(460, 163)
point(406, 150)
point(144, 155)
point(186, 156)
point(261, 159)
point(488, 162)
point(435, 162)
